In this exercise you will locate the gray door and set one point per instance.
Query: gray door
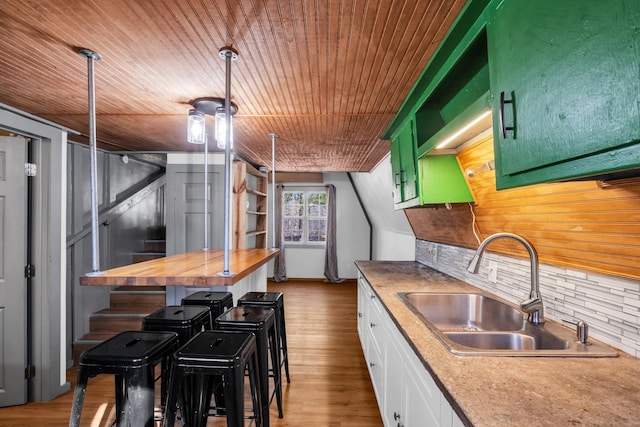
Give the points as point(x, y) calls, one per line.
point(189, 211)
point(13, 302)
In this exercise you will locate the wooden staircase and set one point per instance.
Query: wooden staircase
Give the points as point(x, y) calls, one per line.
point(128, 305)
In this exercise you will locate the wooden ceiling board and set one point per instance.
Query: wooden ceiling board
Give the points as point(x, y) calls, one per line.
point(326, 75)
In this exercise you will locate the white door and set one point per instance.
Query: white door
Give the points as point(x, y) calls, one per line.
point(13, 301)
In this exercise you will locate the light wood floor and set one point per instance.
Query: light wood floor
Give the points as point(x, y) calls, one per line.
point(329, 387)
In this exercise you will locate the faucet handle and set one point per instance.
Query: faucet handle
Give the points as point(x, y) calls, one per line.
point(530, 305)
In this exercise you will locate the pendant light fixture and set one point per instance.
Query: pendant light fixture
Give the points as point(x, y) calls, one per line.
point(196, 130)
point(221, 129)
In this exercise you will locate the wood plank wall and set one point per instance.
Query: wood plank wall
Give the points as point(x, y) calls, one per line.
point(578, 224)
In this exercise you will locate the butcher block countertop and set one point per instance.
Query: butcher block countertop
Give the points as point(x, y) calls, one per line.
point(197, 268)
point(502, 391)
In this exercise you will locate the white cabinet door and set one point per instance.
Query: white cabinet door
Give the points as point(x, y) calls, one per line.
point(393, 410)
point(422, 405)
point(407, 394)
point(375, 349)
point(363, 310)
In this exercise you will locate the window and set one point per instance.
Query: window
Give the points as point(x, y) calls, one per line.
point(304, 217)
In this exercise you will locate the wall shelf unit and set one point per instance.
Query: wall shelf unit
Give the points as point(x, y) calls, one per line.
point(250, 207)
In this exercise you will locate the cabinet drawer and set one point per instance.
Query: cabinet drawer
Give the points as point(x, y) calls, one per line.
point(375, 323)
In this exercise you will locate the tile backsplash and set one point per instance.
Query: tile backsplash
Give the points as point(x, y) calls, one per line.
point(609, 304)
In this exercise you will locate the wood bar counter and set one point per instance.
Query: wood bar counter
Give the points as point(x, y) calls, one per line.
point(197, 268)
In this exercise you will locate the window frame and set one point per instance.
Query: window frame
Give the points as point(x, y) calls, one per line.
point(304, 241)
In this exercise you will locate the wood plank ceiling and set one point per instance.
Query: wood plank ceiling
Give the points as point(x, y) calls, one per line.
point(327, 75)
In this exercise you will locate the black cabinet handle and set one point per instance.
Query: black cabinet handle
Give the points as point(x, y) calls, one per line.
point(503, 128)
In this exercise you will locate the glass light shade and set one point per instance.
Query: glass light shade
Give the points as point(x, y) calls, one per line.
point(195, 127)
point(221, 128)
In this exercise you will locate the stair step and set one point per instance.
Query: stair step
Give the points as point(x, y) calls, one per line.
point(128, 305)
point(114, 323)
point(137, 302)
point(155, 245)
point(117, 312)
point(96, 337)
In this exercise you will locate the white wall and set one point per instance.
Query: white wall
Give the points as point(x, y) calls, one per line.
point(352, 232)
point(393, 238)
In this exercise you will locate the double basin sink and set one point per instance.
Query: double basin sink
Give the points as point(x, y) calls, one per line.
point(479, 324)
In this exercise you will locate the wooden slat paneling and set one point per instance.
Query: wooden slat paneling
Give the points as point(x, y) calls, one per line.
point(327, 76)
point(577, 224)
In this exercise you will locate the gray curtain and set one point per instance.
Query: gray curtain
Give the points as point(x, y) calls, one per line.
point(279, 268)
point(331, 257)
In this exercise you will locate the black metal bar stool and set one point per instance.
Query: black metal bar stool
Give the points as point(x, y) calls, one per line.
point(211, 356)
point(131, 356)
point(218, 302)
point(186, 321)
point(260, 321)
point(274, 300)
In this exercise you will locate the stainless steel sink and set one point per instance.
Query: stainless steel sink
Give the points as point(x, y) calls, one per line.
point(519, 340)
point(484, 325)
point(464, 312)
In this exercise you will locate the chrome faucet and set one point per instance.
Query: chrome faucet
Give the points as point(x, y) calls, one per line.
point(533, 305)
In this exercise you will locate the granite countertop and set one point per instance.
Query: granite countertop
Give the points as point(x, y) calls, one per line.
point(500, 391)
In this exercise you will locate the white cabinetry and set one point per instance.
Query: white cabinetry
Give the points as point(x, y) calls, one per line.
point(372, 337)
point(407, 394)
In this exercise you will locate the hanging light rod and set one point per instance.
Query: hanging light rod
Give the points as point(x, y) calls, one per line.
point(93, 56)
point(228, 55)
point(273, 136)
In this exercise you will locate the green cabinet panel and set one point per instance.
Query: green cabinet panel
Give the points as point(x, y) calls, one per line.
point(403, 167)
point(565, 81)
point(441, 180)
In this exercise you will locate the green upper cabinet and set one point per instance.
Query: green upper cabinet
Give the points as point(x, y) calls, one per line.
point(565, 83)
point(403, 167)
point(452, 90)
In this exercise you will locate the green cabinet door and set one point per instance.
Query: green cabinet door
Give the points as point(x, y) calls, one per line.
point(568, 73)
point(403, 167)
point(441, 180)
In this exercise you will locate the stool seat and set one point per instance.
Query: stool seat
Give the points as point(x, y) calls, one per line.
point(248, 317)
point(260, 321)
point(218, 302)
point(131, 356)
point(262, 298)
point(211, 356)
point(186, 321)
point(274, 300)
